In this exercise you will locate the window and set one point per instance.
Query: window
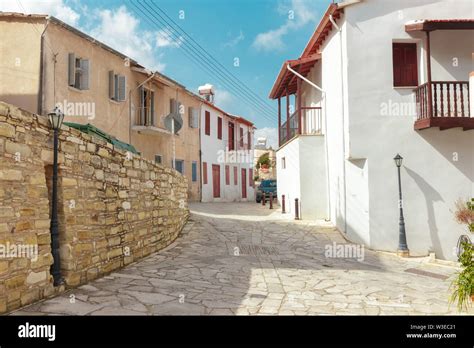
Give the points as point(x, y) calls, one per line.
point(250, 177)
point(194, 171)
point(249, 140)
point(176, 107)
point(227, 175)
point(179, 165)
point(117, 86)
point(204, 173)
point(207, 125)
point(78, 72)
point(193, 117)
point(241, 138)
point(405, 67)
point(283, 163)
point(158, 159)
point(219, 128)
point(146, 111)
point(235, 176)
point(231, 137)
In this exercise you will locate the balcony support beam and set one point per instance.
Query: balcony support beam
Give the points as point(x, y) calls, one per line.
point(298, 99)
point(287, 115)
point(279, 121)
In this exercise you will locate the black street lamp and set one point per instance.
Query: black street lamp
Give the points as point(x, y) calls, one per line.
point(402, 238)
point(56, 119)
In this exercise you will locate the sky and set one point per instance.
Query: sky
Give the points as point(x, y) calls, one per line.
point(249, 38)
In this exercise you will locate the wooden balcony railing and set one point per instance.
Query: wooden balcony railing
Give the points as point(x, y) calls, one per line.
point(311, 123)
point(449, 106)
point(145, 116)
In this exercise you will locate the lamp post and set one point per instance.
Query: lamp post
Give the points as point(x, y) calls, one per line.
point(402, 238)
point(56, 119)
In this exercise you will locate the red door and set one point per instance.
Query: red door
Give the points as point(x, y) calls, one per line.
point(244, 183)
point(216, 180)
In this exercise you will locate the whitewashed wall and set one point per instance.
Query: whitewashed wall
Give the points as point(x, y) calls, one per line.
point(431, 177)
point(211, 147)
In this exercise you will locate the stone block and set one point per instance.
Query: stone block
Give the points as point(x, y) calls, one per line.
point(36, 277)
point(7, 130)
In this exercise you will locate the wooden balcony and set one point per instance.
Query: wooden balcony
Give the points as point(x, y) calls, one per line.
point(311, 123)
point(443, 104)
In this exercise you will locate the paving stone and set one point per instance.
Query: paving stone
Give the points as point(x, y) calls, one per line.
point(284, 273)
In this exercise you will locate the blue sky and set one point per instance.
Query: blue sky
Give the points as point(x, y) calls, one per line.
point(261, 34)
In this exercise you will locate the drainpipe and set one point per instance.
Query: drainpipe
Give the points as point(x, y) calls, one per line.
point(41, 76)
point(343, 123)
point(200, 153)
point(323, 92)
point(130, 105)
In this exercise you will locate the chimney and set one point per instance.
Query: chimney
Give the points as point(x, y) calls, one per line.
point(207, 91)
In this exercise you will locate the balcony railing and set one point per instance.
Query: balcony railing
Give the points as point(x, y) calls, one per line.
point(311, 123)
point(144, 117)
point(449, 106)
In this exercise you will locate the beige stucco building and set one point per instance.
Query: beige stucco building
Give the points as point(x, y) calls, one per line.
point(58, 65)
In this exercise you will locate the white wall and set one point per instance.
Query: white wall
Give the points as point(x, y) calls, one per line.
point(313, 177)
point(288, 182)
point(212, 149)
point(432, 179)
point(304, 176)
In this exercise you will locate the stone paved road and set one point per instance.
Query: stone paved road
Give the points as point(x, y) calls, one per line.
point(241, 258)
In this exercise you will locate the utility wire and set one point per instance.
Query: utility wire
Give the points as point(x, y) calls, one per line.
point(259, 100)
point(202, 61)
point(199, 60)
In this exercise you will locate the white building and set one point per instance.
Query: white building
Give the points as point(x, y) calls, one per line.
point(364, 98)
point(226, 156)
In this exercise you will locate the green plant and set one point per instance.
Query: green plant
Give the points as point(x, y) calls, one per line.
point(463, 285)
point(264, 161)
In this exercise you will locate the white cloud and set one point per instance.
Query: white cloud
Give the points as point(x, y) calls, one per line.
point(271, 134)
point(224, 99)
point(119, 29)
point(235, 40)
point(298, 12)
point(166, 37)
point(56, 8)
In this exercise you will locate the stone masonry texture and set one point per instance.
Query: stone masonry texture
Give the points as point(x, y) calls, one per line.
point(114, 207)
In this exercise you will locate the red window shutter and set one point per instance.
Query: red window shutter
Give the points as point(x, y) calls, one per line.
point(216, 180)
point(208, 123)
point(250, 178)
point(241, 141)
point(227, 175)
point(235, 176)
point(231, 136)
point(219, 128)
point(204, 172)
point(405, 64)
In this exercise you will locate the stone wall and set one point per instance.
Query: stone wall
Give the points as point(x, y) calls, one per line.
point(114, 207)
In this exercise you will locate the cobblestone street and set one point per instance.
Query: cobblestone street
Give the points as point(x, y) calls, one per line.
point(242, 258)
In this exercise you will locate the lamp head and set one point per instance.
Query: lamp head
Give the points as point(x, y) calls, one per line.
point(56, 118)
point(398, 160)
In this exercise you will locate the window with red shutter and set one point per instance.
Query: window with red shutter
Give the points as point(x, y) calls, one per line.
point(231, 136)
point(250, 177)
point(241, 141)
point(249, 141)
point(235, 176)
point(204, 172)
point(207, 126)
point(227, 175)
point(405, 64)
point(219, 128)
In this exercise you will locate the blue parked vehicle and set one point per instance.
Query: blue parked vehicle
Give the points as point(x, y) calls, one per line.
point(266, 186)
